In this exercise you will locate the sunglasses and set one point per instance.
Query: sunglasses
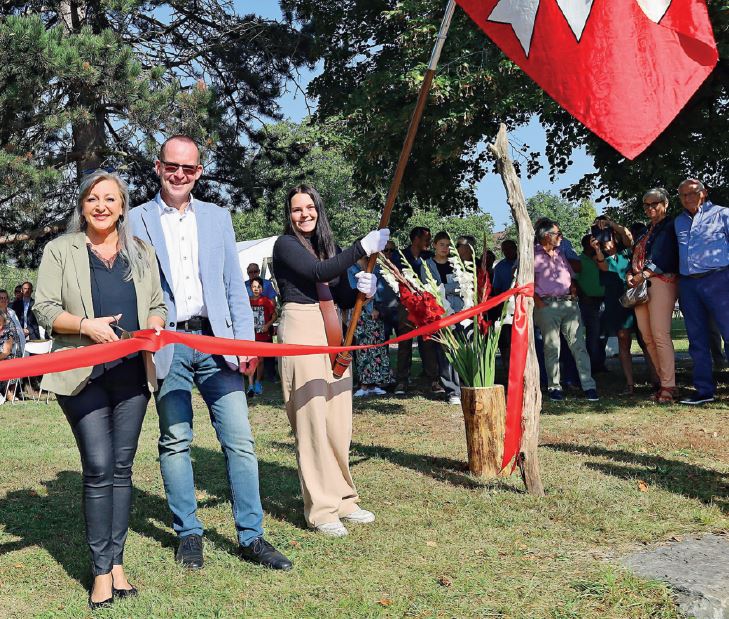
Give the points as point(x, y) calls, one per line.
point(652, 204)
point(170, 167)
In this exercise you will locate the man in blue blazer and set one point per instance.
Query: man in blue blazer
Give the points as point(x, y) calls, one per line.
point(205, 294)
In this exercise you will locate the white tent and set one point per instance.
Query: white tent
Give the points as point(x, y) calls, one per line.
point(259, 251)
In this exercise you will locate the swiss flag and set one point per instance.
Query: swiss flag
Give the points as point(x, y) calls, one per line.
point(623, 68)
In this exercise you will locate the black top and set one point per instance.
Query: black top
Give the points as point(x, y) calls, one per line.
point(297, 272)
point(111, 295)
point(444, 270)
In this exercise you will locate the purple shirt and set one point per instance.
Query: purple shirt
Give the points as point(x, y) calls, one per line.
point(552, 274)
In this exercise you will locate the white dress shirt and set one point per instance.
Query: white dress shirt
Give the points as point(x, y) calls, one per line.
point(180, 231)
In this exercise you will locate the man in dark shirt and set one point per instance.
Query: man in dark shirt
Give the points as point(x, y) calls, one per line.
point(23, 308)
point(415, 254)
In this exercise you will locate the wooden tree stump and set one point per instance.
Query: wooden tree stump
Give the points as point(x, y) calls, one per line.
point(484, 413)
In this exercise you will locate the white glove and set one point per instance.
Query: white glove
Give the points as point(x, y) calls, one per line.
point(367, 283)
point(375, 241)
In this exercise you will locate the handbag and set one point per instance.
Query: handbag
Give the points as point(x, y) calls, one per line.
point(635, 296)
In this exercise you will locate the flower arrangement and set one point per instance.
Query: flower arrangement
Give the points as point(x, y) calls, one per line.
point(471, 351)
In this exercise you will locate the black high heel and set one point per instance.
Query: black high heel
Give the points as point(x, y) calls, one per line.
point(125, 593)
point(103, 604)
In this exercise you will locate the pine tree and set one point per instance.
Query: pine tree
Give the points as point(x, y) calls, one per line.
point(100, 83)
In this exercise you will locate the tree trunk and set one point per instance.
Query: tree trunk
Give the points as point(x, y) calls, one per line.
point(484, 413)
point(527, 459)
point(89, 138)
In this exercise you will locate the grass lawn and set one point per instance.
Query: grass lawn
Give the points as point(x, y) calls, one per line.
point(444, 544)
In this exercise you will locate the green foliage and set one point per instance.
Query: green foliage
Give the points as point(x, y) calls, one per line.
point(320, 162)
point(10, 277)
point(574, 219)
point(476, 223)
point(86, 84)
point(375, 55)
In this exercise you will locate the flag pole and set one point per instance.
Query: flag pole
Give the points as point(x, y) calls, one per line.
point(343, 360)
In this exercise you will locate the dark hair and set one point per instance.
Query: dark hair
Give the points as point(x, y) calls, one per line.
point(586, 242)
point(542, 226)
point(5, 291)
point(321, 242)
point(510, 242)
point(637, 229)
point(256, 279)
point(440, 236)
point(418, 231)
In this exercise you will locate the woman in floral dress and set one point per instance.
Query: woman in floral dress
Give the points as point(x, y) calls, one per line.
point(373, 365)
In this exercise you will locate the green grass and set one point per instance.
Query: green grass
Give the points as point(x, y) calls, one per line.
point(444, 545)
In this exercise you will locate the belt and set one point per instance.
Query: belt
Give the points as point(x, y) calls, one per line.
point(564, 297)
point(706, 273)
point(195, 323)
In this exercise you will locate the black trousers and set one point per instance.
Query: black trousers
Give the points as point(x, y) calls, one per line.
point(106, 419)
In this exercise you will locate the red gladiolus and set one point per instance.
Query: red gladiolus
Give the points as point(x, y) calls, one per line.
point(484, 284)
point(422, 307)
point(483, 324)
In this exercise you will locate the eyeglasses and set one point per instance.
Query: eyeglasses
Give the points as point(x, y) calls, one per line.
point(652, 204)
point(170, 167)
point(557, 234)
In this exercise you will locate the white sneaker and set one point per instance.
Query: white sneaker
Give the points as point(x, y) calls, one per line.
point(332, 529)
point(378, 391)
point(454, 399)
point(361, 393)
point(359, 516)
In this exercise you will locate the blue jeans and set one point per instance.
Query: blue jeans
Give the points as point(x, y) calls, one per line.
point(702, 298)
point(223, 392)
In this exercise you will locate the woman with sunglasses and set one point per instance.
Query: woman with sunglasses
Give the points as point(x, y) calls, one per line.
point(655, 260)
point(95, 283)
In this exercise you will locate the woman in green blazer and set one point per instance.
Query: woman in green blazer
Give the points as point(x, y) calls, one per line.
point(95, 282)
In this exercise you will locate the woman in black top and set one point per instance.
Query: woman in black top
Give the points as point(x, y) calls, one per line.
point(308, 265)
point(95, 283)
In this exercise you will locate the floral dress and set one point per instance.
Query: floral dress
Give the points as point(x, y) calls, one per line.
point(372, 366)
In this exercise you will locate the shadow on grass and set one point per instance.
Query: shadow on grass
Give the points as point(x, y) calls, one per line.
point(379, 407)
point(55, 521)
point(695, 482)
point(454, 472)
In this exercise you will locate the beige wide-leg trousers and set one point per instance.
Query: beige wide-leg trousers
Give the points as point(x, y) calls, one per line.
point(319, 408)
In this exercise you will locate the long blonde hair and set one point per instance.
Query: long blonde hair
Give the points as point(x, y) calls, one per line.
point(130, 247)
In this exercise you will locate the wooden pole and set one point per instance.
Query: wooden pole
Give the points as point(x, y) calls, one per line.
point(340, 367)
point(527, 458)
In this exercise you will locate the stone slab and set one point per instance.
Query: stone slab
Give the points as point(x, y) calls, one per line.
point(697, 569)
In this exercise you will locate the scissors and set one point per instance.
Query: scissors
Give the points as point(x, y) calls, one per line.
point(123, 333)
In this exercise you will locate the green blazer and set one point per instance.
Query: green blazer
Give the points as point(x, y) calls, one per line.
point(64, 285)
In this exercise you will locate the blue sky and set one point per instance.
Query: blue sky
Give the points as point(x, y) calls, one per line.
point(491, 195)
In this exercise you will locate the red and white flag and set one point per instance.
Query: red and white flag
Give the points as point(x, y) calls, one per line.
point(623, 68)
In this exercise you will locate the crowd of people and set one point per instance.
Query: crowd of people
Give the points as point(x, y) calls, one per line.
point(627, 281)
point(171, 263)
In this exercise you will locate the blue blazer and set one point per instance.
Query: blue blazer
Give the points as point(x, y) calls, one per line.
point(226, 299)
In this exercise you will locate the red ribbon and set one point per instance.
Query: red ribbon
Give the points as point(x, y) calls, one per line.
point(146, 340)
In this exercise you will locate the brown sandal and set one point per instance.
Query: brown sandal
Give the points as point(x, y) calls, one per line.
point(665, 396)
point(629, 390)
